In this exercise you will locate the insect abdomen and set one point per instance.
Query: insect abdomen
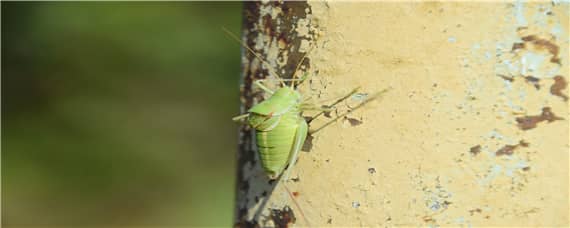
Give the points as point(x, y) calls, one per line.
point(275, 145)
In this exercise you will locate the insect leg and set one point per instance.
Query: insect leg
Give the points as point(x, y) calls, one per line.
point(373, 97)
point(267, 90)
point(311, 106)
point(258, 83)
point(335, 103)
point(300, 137)
point(240, 117)
point(278, 79)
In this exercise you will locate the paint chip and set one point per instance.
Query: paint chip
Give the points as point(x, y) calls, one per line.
point(530, 122)
point(475, 150)
point(559, 85)
point(540, 43)
point(284, 217)
point(510, 149)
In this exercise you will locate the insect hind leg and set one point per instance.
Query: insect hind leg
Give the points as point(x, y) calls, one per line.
point(300, 137)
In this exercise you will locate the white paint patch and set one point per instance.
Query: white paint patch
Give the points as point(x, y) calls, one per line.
point(531, 62)
point(495, 171)
point(519, 14)
point(557, 30)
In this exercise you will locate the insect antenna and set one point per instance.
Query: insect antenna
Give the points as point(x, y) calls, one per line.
point(299, 66)
point(271, 69)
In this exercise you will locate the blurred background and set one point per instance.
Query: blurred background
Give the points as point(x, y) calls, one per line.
point(119, 113)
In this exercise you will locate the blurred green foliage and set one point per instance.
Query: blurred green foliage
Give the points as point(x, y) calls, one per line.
point(119, 113)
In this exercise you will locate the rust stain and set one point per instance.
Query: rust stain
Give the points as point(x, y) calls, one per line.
point(544, 44)
point(506, 150)
point(283, 217)
point(428, 218)
point(247, 224)
point(530, 122)
point(518, 46)
point(508, 78)
point(510, 149)
point(559, 85)
point(475, 150)
point(528, 79)
point(476, 210)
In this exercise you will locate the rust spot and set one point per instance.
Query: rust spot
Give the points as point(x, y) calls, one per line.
point(510, 79)
point(475, 150)
point(529, 122)
point(510, 149)
point(282, 43)
point(476, 210)
point(428, 218)
point(517, 46)
point(283, 217)
point(295, 194)
point(559, 85)
point(506, 150)
point(244, 223)
point(529, 38)
point(524, 143)
point(533, 80)
point(540, 43)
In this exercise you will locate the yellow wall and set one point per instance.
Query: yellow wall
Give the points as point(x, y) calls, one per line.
point(453, 142)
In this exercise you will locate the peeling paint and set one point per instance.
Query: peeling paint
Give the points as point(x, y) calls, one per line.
point(530, 122)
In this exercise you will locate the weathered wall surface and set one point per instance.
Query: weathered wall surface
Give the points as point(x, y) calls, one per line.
point(474, 130)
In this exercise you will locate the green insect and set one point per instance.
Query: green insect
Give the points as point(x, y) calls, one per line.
point(280, 127)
